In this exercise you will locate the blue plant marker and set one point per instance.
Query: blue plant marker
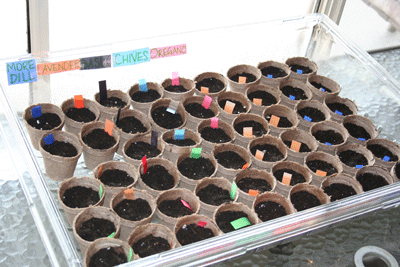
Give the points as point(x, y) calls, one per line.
point(48, 140)
point(322, 89)
point(307, 118)
point(328, 144)
point(179, 134)
point(338, 112)
point(361, 139)
point(143, 85)
point(270, 76)
point(386, 158)
point(292, 97)
point(359, 166)
point(36, 111)
point(299, 71)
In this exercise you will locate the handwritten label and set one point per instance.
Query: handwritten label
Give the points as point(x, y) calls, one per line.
point(207, 102)
point(307, 118)
point(295, 146)
point(175, 78)
point(270, 76)
point(101, 190)
point(233, 190)
point(21, 72)
point(292, 97)
point(286, 178)
point(144, 162)
point(253, 192)
point(154, 138)
point(78, 100)
point(274, 120)
point(240, 223)
point(242, 79)
point(386, 158)
point(48, 140)
point(204, 90)
point(229, 106)
point(143, 85)
point(36, 111)
point(132, 57)
point(299, 71)
point(320, 173)
point(168, 51)
point(257, 101)
point(58, 67)
point(201, 224)
point(109, 127)
point(214, 123)
point(338, 112)
point(196, 152)
point(259, 154)
point(129, 194)
point(180, 134)
point(186, 204)
point(99, 62)
point(245, 166)
point(248, 132)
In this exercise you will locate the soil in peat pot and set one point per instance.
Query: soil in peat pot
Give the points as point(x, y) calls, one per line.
point(357, 131)
point(181, 142)
point(176, 88)
point(198, 111)
point(297, 178)
point(224, 219)
point(319, 86)
point(217, 136)
point(294, 91)
point(47, 121)
point(80, 114)
point(174, 208)
point(133, 210)
point(137, 150)
point(214, 85)
point(315, 165)
point(95, 228)
point(345, 110)
point(258, 128)
point(303, 146)
point(274, 71)
point(303, 200)
point(190, 233)
point(108, 257)
point(116, 178)
point(214, 195)
point(338, 191)
point(271, 152)
point(328, 136)
point(249, 77)
point(166, 119)
point(61, 148)
point(283, 121)
point(145, 97)
point(371, 181)
point(247, 183)
point(239, 108)
point(352, 158)
point(316, 115)
point(267, 98)
point(196, 169)
point(230, 160)
point(269, 210)
point(99, 139)
point(80, 197)
point(150, 245)
point(381, 151)
point(131, 125)
point(295, 67)
point(113, 102)
point(158, 178)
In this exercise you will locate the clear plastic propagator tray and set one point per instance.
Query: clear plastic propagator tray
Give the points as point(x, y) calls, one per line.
point(314, 36)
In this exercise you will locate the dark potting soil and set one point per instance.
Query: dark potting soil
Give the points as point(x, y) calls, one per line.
point(267, 98)
point(271, 152)
point(249, 77)
point(295, 67)
point(166, 119)
point(371, 181)
point(196, 169)
point(338, 191)
point(145, 97)
point(316, 115)
point(133, 210)
point(190, 233)
point(80, 114)
point(113, 102)
point(315, 165)
point(352, 158)
point(247, 183)
point(61, 148)
point(283, 121)
point(380, 152)
point(108, 257)
point(131, 125)
point(297, 178)
point(224, 219)
point(294, 91)
point(150, 245)
point(214, 195)
point(357, 131)
point(239, 108)
point(329, 136)
point(99, 139)
point(319, 86)
point(274, 71)
point(95, 228)
point(174, 208)
point(397, 170)
point(181, 142)
point(303, 146)
point(176, 88)
point(230, 160)
point(198, 111)
point(214, 85)
point(47, 121)
point(137, 150)
point(258, 128)
point(116, 178)
point(269, 210)
point(303, 200)
point(80, 197)
point(158, 178)
point(340, 107)
point(214, 135)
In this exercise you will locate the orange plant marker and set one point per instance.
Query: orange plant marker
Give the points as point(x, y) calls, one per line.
point(245, 166)
point(204, 90)
point(320, 173)
point(129, 194)
point(287, 177)
point(99, 171)
point(78, 99)
point(109, 127)
point(257, 101)
point(295, 146)
point(248, 132)
point(274, 120)
point(259, 155)
point(229, 106)
point(253, 192)
point(242, 79)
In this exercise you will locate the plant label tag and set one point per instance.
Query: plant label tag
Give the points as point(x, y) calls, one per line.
point(386, 158)
point(118, 115)
point(257, 101)
point(242, 79)
point(154, 138)
point(286, 178)
point(103, 91)
point(274, 120)
point(214, 123)
point(78, 99)
point(229, 106)
point(253, 192)
point(129, 194)
point(359, 166)
point(248, 132)
point(292, 97)
point(99, 171)
point(204, 90)
point(109, 127)
point(361, 139)
point(143, 85)
point(186, 204)
point(175, 78)
point(328, 144)
point(338, 112)
point(130, 255)
point(112, 235)
point(259, 155)
point(245, 166)
point(299, 71)
point(180, 134)
point(233, 190)
point(101, 190)
point(322, 89)
point(48, 140)
point(207, 102)
point(307, 118)
point(36, 111)
point(201, 224)
point(196, 152)
point(173, 106)
point(270, 76)
point(320, 173)
point(144, 162)
point(240, 223)
point(295, 146)
point(21, 72)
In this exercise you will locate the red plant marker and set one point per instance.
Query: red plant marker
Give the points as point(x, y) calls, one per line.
point(144, 161)
point(201, 224)
point(186, 204)
point(79, 101)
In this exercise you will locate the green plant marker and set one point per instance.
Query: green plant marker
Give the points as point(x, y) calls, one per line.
point(240, 223)
point(233, 190)
point(101, 191)
point(130, 254)
point(196, 152)
point(112, 235)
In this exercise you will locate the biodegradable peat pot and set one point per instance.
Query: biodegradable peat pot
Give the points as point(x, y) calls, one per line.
point(308, 144)
point(171, 151)
point(208, 209)
point(105, 243)
point(291, 168)
point(187, 182)
point(195, 219)
point(322, 86)
point(187, 84)
point(36, 134)
point(273, 73)
point(286, 99)
point(155, 92)
point(175, 194)
point(244, 196)
point(227, 171)
point(87, 182)
point(367, 177)
point(127, 226)
point(73, 126)
point(236, 71)
point(314, 157)
point(208, 144)
point(194, 120)
point(307, 107)
point(311, 189)
point(290, 120)
point(215, 82)
point(234, 207)
point(395, 172)
point(309, 68)
point(347, 155)
point(267, 94)
point(236, 98)
point(111, 112)
point(168, 165)
point(125, 134)
point(344, 181)
point(272, 143)
point(110, 191)
point(166, 103)
point(156, 230)
point(337, 105)
point(92, 156)
point(382, 148)
point(329, 143)
point(58, 167)
point(141, 138)
point(360, 129)
point(243, 120)
point(98, 213)
point(269, 197)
